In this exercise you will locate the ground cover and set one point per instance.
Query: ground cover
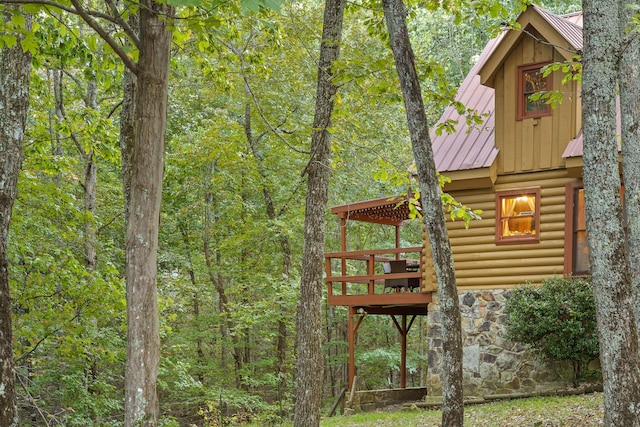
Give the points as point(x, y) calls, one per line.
point(569, 411)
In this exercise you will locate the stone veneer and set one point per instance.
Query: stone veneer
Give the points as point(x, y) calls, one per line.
point(491, 364)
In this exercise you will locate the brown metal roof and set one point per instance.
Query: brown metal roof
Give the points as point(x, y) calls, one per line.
point(565, 25)
point(388, 210)
point(575, 146)
point(469, 147)
point(473, 147)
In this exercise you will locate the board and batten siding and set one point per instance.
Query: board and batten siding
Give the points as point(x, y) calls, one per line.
point(534, 143)
point(481, 264)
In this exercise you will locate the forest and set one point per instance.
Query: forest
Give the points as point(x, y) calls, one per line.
point(241, 95)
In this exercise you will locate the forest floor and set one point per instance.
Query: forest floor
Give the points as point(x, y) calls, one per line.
point(569, 411)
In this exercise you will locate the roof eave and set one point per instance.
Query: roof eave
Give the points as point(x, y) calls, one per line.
point(468, 179)
point(531, 17)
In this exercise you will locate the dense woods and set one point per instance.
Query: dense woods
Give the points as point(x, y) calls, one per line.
point(241, 99)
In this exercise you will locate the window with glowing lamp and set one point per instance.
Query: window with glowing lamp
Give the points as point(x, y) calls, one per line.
point(518, 216)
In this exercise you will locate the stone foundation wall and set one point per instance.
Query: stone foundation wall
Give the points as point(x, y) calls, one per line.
point(491, 364)
point(370, 400)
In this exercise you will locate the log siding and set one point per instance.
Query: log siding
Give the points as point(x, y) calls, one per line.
point(481, 264)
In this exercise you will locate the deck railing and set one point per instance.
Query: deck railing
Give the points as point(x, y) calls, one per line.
point(353, 271)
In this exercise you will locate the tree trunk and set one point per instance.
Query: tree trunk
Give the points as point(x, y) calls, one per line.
point(90, 186)
point(15, 69)
point(629, 75)
point(607, 250)
point(213, 262)
point(285, 245)
point(452, 399)
point(308, 393)
point(143, 214)
point(127, 135)
point(90, 189)
point(196, 299)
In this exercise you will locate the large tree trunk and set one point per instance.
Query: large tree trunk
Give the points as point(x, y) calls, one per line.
point(143, 214)
point(308, 372)
point(629, 76)
point(452, 399)
point(607, 250)
point(15, 69)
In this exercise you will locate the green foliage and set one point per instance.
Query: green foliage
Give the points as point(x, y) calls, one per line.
point(557, 320)
point(70, 321)
point(378, 354)
point(572, 71)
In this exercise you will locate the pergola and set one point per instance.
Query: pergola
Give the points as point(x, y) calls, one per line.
point(402, 307)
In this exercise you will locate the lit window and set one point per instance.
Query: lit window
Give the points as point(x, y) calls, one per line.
point(530, 82)
point(518, 216)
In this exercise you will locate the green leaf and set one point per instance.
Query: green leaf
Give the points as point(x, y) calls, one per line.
point(185, 2)
point(273, 5)
point(250, 5)
point(29, 44)
point(9, 40)
point(18, 20)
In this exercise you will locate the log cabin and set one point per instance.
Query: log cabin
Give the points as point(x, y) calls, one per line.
point(523, 168)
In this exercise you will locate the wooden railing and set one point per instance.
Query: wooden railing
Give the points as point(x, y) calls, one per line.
point(338, 265)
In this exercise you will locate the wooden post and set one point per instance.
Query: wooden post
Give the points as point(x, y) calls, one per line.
point(343, 248)
point(403, 329)
point(371, 266)
point(329, 270)
point(351, 339)
point(353, 329)
point(397, 241)
point(403, 355)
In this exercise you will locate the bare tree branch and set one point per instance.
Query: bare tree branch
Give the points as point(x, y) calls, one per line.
point(124, 24)
point(84, 14)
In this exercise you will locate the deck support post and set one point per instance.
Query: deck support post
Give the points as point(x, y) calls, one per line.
point(403, 329)
point(351, 340)
point(403, 354)
point(351, 337)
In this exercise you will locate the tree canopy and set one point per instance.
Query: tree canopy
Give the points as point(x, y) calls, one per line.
point(241, 80)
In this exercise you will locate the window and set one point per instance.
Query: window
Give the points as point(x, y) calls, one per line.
point(576, 249)
point(518, 216)
point(576, 262)
point(530, 82)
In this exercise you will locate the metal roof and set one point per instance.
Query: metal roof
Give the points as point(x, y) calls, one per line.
point(565, 25)
point(575, 146)
point(469, 147)
point(473, 147)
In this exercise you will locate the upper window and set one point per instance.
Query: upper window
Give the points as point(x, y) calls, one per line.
point(530, 82)
point(518, 216)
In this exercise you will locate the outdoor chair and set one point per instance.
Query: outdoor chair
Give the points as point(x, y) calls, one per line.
point(398, 266)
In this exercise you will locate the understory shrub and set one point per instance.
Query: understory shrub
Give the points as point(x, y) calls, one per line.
point(557, 320)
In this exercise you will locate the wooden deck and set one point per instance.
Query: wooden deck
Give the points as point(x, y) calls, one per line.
point(357, 279)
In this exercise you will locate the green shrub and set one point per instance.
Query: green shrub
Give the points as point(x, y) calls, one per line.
point(557, 320)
